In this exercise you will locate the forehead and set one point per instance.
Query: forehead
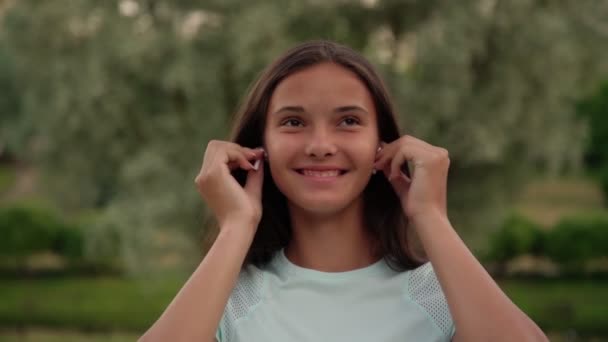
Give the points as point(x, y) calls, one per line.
point(322, 85)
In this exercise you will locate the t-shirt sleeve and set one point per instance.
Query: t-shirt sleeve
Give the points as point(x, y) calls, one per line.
point(219, 333)
point(246, 294)
point(424, 288)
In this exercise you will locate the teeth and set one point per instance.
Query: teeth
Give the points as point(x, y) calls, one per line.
point(332, 173)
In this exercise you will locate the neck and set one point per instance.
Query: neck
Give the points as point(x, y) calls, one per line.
point(335, 242)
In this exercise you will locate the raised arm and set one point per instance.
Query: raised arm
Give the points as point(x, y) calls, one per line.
point(195, 312)
point(479, 308)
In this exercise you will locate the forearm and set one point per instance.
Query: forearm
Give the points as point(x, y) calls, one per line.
point(480, 309)
point(195, 312)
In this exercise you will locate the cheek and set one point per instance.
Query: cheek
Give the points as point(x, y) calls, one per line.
point(280, 148)
point(282, 152)
point(361, 150)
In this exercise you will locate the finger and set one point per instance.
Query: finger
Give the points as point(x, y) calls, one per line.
point(400, 162)
point(384, 165)
point(386, 170)
point(406, 140)
point(380, 164)
point(252, 153)
point(401, 184)
point(386, 151)
point(418, 142)
point(255, 180)
point(383, 157)
point(238, 158)
point(407, 170)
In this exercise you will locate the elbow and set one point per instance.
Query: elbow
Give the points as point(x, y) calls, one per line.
point(525, 331)
point(155, 336)
point(530, 332)
point(145, 338)
point(536, 334)
point(149, 336)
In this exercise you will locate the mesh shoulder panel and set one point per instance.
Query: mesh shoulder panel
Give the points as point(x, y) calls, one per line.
point(246, 294)
point(424, 289)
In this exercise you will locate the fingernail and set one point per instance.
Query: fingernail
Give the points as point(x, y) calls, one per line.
point(256, 165)
point(373, 171)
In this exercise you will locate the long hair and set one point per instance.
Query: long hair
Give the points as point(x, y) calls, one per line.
point(382, 208)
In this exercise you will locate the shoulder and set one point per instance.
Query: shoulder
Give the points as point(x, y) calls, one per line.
point(423, 288)
point(246, 295)
point(248, 290)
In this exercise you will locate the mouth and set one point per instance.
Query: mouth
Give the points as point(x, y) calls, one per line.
point(321, 173)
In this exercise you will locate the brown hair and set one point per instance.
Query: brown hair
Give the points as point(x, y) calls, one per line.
point(382, 208)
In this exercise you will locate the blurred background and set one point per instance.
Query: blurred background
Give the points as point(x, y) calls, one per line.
point(106, 108)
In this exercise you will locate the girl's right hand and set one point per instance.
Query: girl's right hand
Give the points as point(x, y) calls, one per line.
point(222, 192)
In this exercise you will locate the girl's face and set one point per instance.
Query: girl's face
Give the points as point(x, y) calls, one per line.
point(321, 137)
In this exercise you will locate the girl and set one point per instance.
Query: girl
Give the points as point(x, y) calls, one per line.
point(316, 208)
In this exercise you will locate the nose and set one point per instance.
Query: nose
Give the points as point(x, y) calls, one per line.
point(320, 144)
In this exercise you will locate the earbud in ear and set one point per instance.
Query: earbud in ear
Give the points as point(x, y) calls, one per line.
point(374, 169)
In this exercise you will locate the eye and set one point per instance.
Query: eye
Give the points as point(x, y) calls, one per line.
point(291, 122)
point(350, 121)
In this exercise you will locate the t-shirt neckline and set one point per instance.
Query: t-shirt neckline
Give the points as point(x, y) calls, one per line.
point(284, 264)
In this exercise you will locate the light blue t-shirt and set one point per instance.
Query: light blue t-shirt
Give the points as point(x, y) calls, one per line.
point(285, 302)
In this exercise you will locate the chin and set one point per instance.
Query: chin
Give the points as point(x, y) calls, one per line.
point(322, 206)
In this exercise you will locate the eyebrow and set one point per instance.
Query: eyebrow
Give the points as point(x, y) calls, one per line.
point(342, 109)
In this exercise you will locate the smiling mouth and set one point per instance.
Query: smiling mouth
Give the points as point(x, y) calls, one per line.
point(321, 174)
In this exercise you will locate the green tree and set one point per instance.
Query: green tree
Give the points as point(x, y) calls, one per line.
point(125, 94)
point(26, 231)
point(595, 109)
point(12, 132)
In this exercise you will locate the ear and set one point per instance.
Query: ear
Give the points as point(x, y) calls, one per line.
point(378, 150)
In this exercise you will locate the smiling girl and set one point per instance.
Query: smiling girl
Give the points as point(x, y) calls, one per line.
point(316, 207)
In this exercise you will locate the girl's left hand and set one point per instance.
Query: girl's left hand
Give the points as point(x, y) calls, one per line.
point(425, 193)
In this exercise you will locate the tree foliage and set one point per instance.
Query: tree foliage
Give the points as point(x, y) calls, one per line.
point(594, 108)
point(120, 97)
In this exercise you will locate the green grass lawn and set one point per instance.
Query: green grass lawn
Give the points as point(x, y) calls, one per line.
point(130, 306)
point(580, 305)
point(97, 304)
point(38, 335)
point(7, 178)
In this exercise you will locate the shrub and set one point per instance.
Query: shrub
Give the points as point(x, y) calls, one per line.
point(7, 178)
point(69, 242)
point(576, 240)
point(26, 230)
point(517, 236)
point(594, 108)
